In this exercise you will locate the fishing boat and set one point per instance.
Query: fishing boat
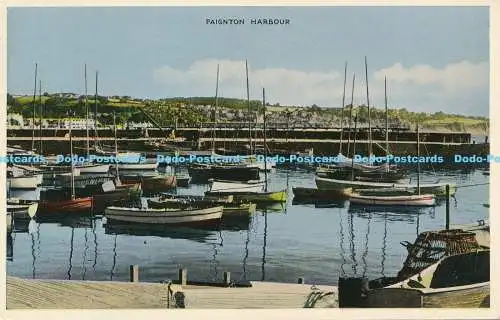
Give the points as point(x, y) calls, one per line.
point(301, 193)
point(93, 168)
point(25, 182)
point(230, 208)
point(53, 201)
point(165, 216)
point(22, 209)
point(419, 200)
point(457, 281)
point(171, 201)
point(151, 183)
point(230, 187)
point(438, 189)
point(256, 197)
point(234, 172)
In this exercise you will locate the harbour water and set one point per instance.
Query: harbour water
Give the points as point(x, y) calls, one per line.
point(276, 244)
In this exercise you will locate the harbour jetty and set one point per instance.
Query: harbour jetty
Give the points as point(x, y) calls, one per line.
point(73, 294)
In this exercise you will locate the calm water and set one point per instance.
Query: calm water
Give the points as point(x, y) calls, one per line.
point(318, 244)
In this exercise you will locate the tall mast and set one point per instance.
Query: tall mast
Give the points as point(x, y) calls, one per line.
point(265, 144)
point(71, 154)
point(116, 145)
point(386, 122)
point(249, 109)
point(342, 116)
point(418, 156)
point(87, 113)
point(34, 110)
point(215, 110)
point(354, 146)
point(95, 112)
point(369, 114)
point(40, 114)
point(350, 115)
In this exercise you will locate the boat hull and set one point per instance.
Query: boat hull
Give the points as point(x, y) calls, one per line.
point(229, 187)
point(164, 216)
point(27, 183)
point(22, 211)
point(256, 197)
point(235, 173)
point(458, 297)
point(427, 200)
point(99, 168)
point(435, 189)
point(79, 205)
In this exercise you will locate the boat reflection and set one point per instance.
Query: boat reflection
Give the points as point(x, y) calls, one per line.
point(68, 220)
point(395, 213)
point(21, 225)
point(203, 235)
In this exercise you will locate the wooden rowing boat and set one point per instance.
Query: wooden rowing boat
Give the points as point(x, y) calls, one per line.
point(203, 172)
point(456, 281)
point(230, 187)
point(437, 189)
point(22, 209)
point(165, 216)
point(255, 197)
point(73, 206)
point(301, 193)
point(423, 200)
point(230, 208)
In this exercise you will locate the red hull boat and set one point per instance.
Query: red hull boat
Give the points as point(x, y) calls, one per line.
point(79, 205)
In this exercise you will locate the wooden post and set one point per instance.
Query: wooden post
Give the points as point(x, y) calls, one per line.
point(183, 276)
point(447, 207)
point(134, 273)
point(300, 280)
point(227, 277)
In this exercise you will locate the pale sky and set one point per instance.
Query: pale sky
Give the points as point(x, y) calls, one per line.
point(435, 58)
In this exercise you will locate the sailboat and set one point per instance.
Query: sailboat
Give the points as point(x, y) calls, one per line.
point(387, 188)
point(234, 172)
point(370, 197)
point(249, 191)
point(91, 167)
point(55, 201)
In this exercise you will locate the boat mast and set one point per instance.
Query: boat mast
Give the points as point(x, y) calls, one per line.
point(249, 109)
point(34, 110)
point(354, 146)
point(418, 162)
point(40, 111)
point(370, 151)
point(350, 114)
point(386, 124)
point(116, 145)
point(342, 116)
point(71, 154)
point(87, 113)
point(215, 110)
point(95, 112)
point(265, 144)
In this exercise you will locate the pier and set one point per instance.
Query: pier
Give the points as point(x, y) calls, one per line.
point(74, 294)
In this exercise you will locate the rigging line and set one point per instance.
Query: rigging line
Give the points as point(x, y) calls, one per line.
point(365, 254)
point(342, 252)
point(71, 252)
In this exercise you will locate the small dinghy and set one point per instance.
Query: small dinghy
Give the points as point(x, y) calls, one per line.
point(422, 200)
point(22, 209)
point(230, 187)
point(165, 216)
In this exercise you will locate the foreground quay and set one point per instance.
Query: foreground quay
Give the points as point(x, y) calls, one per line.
point(75, 294)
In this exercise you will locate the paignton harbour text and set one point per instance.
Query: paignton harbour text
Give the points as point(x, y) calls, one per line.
point(239, 21)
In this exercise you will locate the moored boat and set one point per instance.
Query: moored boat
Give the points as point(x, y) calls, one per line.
point(305, 194)
point(225, 186)
point(230, 208)
point(93, 168)
point(423, 200)
point(156, 183)
point(165, 216)
point(456, 281)
point(204, 172)
point(28, 182)
point(54, 206)
point(256, 197)
point(22, 209)
point(438, 189)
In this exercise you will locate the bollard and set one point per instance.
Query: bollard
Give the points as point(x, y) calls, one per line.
point(300, 280)
point(447, 207)
point(134, 273)
point(227, 278)
point(183, 277)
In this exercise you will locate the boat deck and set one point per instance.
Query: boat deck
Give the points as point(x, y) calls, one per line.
point(74, 294)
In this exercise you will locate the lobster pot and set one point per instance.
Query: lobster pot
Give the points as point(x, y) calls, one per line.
point(431, 246)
